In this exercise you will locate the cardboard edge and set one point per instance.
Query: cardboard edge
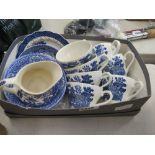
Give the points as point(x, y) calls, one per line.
point(95, 38)
point(143, 67)
point(129, 113)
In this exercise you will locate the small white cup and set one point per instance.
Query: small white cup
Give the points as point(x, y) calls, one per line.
point(75, 53)
point(83, 95)
point(123, 88)
point(97, 63)
point(93, 77)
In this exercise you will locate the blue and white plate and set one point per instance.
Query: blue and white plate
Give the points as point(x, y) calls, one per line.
point(40, 49)
point(14, 69)
point(42, 37)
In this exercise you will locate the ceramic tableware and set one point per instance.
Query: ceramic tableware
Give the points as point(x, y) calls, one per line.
point(93, 77)
point(107, 48)
point(81, 95)
point(75, 53)
point(20, 63)
point(120, 64)
point(42, 37)
point(40, 49)
point(97, 63)
point(123, 88)
point(35, 83)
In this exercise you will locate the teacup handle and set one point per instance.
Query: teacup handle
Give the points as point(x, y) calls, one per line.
point(116, 46)
point(105, 63)
point(105, 75)
point(138, 90)
point(5, 82)
point(107, 101)
point(126, 55)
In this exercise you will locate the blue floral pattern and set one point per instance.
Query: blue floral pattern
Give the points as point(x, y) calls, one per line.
point(115, 66)
point(80, 97)
point(71, 71)
point(2, 82)
point(83, 79)
point(93, 66)
point(85, 59)
point(39, 99)
point(68, 65)
point(100, 49)
point(117, 87)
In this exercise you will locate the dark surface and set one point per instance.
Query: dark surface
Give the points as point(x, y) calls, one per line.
point(130, 113)
point(10, 29)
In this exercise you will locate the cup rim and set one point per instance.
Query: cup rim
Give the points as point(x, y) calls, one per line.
point(47, 89)
point(71, 44)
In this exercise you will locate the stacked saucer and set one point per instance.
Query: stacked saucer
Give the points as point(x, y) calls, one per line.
point(35, 79)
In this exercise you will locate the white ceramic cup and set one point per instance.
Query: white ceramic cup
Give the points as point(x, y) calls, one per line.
point(97, 63)
point(120, 64)
point(75, 53)
point(36, 82)
point(123, 88)
point(83, 95)
point(93, 77)
point(107, 48)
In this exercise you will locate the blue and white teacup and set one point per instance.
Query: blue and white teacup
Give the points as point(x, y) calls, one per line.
point(120, 64)
point(97, 63)
point(35, 83)
point(123, 88)
point(82, 95)
point(107, 48)
point(75, 53)
point(93, 77)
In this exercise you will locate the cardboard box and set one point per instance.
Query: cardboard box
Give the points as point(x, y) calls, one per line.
point(138, 71)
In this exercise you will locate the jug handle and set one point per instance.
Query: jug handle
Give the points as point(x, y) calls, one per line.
point(116, 45)
point(132, 60)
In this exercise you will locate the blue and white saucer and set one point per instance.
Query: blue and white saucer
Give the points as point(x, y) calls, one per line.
point(42, 37)
point(40, 49)
point(14, 69)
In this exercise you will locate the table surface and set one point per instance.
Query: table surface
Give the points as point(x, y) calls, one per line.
point(144, 46)
point(142, 123)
